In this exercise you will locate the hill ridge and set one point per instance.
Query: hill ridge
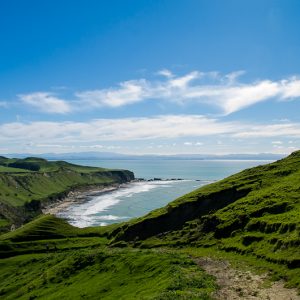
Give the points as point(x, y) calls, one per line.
point(26, 185)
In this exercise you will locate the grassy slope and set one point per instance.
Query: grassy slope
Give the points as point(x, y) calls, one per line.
point(78, 264)
point(91, 274)
point(4, 169)
point(255, 226)
point(41, 180)
point(264, 222)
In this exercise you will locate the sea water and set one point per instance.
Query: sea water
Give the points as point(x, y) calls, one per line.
point(138, 198)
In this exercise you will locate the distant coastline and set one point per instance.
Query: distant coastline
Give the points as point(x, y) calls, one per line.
point(119, 156)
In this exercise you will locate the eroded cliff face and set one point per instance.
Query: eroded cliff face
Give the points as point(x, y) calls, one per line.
point(176, 216)
point(121, 176)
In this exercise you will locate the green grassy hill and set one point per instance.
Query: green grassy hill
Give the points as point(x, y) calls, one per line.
point(251, 219)
point(255, 212)
point(50, 259)
point(28, 184)
point(255, 198)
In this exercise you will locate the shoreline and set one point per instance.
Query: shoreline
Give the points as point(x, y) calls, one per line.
point(79, 196)
point(83, 195)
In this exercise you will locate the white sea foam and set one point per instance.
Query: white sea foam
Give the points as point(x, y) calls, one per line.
point(104, 201)
point(92, 212)
point(110, 218)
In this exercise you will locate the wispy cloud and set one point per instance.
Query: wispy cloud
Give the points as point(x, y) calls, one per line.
point(225, 92)
point(165, 72)
point(49, 146)
point(46, 102)
point(126, 129)
point(128, 92)
point(276, 142)
point(134, 129)
point(271, 130)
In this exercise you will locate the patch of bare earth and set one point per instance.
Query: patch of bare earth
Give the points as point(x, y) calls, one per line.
point(236, 284)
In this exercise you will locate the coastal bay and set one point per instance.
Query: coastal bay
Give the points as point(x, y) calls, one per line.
point(139, 197)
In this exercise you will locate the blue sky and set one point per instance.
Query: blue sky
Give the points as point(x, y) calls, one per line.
point(164, 77)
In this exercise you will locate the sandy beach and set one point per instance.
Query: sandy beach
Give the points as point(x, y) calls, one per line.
point(77, 196)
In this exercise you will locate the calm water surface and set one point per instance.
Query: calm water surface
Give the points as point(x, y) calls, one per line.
point(136, 199)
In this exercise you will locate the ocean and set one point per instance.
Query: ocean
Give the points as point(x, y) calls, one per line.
point(138, 198)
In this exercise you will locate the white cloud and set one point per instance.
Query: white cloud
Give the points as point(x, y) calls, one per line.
point(211, 88)
point(138, 129)
point(283, 150)
point(92, 146)
point(46, 102)
point(193, 144)
point(233, 76)
point(290, 88)
point(270, 130)
point(134, 91)
point(127, 129)
point(224, 91)
point(232, 99)
point(127, 93)
point(276, 142)
point(49, 146)
point(182, 82)
point(165, 72)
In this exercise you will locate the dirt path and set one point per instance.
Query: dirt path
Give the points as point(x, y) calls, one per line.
point(235, 284)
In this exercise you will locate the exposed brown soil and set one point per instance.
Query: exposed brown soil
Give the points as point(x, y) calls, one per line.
point(236, 284)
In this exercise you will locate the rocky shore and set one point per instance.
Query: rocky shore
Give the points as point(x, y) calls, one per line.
point(78, 196)
point(83, 195)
